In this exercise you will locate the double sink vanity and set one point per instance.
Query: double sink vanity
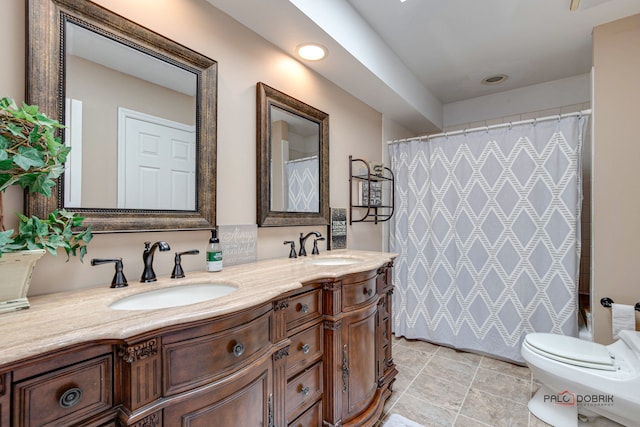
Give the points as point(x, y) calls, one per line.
point(282, 342)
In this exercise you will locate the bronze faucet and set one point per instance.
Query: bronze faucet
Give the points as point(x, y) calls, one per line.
point(303, 239)
point(148, 275)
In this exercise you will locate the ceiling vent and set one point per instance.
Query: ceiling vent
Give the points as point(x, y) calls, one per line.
point(495, 79)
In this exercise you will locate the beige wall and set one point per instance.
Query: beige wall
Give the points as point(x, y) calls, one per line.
point(243, 59)
point(616, 153)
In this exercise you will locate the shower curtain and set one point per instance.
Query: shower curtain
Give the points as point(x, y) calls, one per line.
point(487, 230)
point(303, 187)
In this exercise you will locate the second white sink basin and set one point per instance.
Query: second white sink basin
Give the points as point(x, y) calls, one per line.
point(334, 261)
point(175, 296)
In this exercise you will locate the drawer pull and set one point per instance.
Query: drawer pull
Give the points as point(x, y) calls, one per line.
point(305, 391)
point(304, 308)
point(238, 349)
point(70, 398)
point(369, 291)
point(305, 348)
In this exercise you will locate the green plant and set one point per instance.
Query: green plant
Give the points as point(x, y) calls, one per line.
point(32, 157)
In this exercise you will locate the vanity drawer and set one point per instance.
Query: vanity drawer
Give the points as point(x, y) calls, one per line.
point(65, 396)
point(302, 390)
point(196, 361)
point(303, 307)
point(305, 349)
point(358, 292)
point(312, 417)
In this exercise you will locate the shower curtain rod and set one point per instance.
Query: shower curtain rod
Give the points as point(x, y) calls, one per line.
point(486, 128)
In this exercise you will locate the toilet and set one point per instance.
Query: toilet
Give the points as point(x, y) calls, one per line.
point(582, 380)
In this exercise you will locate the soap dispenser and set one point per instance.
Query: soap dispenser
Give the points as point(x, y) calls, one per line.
point(214, 253)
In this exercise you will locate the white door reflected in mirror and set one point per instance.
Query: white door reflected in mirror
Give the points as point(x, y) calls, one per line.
point(156, 162)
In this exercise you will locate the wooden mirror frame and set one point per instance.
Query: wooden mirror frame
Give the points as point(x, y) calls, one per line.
point(266, 97)
point(45, 87)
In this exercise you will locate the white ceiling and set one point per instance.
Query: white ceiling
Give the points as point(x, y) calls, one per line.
point(407, 59)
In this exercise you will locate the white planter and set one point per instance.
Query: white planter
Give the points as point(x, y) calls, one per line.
point(15, 278)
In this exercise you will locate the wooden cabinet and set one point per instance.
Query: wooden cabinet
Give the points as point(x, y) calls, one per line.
point(215, 369)
point(317, 356)
point(357, 384)
point(359, 381)
point(244, 399)
point(73, 387)
point(301, 368)
point(303, 390)
point(313, 417)
point(202, 354)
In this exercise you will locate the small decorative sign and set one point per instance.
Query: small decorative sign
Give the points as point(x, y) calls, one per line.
point(338, 229)
point(238, 243)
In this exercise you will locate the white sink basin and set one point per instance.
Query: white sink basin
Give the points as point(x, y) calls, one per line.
point(174, 297)
point(334, 261)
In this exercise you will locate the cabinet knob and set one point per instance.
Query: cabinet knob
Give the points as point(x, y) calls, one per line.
point(304, 391)
point(70, 398)
point(238, 349)
point(305, 348)
point(304, 308)
point(368, 291)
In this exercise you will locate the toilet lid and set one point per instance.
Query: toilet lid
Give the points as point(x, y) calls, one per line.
point(571, 350)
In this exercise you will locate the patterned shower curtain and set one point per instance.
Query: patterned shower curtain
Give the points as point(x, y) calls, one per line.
point(487, 229)
point(304, 189)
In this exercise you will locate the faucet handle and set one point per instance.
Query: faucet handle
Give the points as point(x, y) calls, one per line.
point(119, 281)
point(177, 272)
point(292, 253)
point(315, 250)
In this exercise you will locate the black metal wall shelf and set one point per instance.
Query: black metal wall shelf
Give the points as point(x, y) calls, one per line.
point(373, 191)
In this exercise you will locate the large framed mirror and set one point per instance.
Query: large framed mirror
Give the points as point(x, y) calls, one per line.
point(293, 161)
point(140, 116)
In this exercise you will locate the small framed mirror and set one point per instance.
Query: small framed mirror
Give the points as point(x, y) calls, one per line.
point(140, 116)
point(293, 161)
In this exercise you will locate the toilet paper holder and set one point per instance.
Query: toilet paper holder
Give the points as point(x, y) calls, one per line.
point(606, 302)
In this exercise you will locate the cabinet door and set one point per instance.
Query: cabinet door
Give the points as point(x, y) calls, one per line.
point(245, 401)
point(358, 361)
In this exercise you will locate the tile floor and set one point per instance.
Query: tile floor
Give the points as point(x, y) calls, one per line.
point(438, 386)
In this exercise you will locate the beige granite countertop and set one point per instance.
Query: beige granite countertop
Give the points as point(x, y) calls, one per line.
point(58, 320)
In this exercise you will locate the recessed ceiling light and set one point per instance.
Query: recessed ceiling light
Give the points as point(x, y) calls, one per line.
point(495, 79)
point(311, 51)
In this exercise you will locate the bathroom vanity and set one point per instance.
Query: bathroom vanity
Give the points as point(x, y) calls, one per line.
point(297, 344)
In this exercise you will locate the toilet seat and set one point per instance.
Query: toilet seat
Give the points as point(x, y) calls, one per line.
point(570, 350)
